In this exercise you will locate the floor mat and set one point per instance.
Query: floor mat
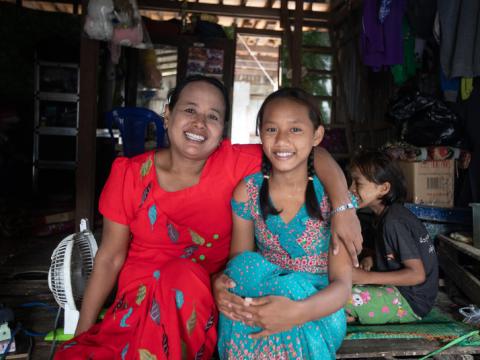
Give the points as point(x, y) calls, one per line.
point(435, 326)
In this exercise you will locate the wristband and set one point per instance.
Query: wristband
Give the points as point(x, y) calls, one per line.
point(342, 208)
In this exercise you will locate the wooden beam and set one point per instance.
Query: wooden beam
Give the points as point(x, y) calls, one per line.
point(343, 12)
point(343, 94)
point(131, 81)
point(317, 19)
point(296, 46)
point(76, 7)
point(87, 129)
point(259, 32)
point(314, 17)
point(390, 348)
point(461, 277)
point(467, 249)
point(327, 73)
point(287, 32)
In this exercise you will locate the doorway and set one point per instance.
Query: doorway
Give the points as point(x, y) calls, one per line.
point(257, 59)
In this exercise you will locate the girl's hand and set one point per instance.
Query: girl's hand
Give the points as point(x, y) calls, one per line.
point(345, 227)
point(366, 263)
point(273, 314)
point(228, 304)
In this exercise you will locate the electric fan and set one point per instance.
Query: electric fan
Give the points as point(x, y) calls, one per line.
point(72, 263)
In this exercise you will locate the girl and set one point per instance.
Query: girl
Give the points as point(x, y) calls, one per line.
point(283, 212)
point(167, 226)
point(403, 286)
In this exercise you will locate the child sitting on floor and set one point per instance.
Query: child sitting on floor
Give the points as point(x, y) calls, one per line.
point(404, 285)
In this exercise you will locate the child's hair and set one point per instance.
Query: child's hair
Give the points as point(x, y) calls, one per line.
point(174, 93)
point(311, 201)
point(379, 168)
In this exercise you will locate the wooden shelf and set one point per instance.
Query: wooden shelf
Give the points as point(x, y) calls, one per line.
point(460, 263)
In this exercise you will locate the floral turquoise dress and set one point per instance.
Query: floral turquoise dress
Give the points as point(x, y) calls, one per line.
point(292, 261)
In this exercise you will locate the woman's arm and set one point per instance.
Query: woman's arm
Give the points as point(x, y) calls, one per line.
point(242, 240)
point(412, 274)
point(108, 262)
point(345, 225)
point(276, 313)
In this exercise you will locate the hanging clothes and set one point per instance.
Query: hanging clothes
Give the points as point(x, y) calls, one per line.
point(421, 16)
point(382, 43)
point(459, 37)
point(402, 72)
point(450, 87)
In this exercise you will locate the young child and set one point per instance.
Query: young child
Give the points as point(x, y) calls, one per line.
point(404, 285)
point(294, 290)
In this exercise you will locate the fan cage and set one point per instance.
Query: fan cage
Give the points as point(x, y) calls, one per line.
point(74, 256)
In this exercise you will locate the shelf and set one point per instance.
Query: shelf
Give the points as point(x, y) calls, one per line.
point(52, 164)
point(56, 130)
point(58, 64)
point(69, 131)
point(56, 96)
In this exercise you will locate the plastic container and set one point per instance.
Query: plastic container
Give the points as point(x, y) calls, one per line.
point(439, 220)
point(476, 224)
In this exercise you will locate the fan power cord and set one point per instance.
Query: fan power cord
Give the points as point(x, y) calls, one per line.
point(54, 342)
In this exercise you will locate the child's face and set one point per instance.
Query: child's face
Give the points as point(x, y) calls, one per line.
point(368, 193)
point(288, 135)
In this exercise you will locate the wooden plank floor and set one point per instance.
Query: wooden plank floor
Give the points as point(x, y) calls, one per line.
point(23, 279)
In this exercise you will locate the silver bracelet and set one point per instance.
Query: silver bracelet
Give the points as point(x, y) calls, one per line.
point(342, 208)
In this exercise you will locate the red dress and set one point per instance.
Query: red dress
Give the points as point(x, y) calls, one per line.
point(164, 307)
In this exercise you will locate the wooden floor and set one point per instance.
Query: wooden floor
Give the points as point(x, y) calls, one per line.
point(24, 266)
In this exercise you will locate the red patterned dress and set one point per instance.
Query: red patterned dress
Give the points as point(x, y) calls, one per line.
point(164, 308)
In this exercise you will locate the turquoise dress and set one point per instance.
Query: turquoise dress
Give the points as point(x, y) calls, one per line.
point(291, 261)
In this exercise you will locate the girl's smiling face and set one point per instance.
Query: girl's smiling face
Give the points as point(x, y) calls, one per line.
point(368, 193)
point(288, 134)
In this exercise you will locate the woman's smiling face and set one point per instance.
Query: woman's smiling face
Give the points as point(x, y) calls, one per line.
point(195, 124)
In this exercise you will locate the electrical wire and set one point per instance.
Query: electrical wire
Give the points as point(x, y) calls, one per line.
point(54, 342)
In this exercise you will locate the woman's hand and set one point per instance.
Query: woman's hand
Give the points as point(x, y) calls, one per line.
point(228, 304)
point(273, 314)
point(366, 263)
point(345, 227)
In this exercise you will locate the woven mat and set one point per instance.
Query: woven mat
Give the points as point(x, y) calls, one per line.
point(435, 326)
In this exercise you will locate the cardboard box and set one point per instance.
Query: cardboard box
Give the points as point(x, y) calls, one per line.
point(430, 182)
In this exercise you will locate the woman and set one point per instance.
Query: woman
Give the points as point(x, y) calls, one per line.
point(167, 225)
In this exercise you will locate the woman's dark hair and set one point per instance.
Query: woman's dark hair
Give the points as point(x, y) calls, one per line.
point(380, 168)
point(174, 93)
point(311, 201)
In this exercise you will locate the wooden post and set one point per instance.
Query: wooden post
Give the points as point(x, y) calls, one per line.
point(343, 95)
point(86, 138)
point(131, 81)
point(296, 47)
